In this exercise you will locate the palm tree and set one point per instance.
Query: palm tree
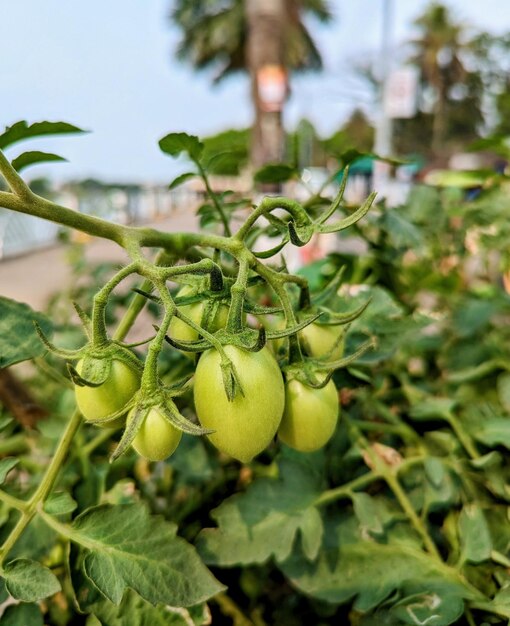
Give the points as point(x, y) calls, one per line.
point(438, 52)
point(251, 36)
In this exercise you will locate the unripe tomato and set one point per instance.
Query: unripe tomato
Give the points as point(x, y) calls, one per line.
point(310, 416)
point(117, 390)
point(245, 426)
point(319, 339)
point(157, 439)
point(180, 331)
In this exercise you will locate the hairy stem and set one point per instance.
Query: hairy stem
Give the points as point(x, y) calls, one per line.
point(238, 291)
point(14, 180)
point(389, 475)
point(45, 486)
point(214, 198)
point(99, 334)
point(34, 505)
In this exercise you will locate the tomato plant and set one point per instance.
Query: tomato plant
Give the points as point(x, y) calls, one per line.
point(400, 519)
point(310, 415)
point(243, 427)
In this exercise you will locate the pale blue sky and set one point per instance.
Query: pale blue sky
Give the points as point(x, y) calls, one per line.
point(108, 66)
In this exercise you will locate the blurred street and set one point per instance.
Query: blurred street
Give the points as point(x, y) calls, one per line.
point(33, 277)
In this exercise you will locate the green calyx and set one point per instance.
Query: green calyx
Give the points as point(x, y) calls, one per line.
point(161, 401)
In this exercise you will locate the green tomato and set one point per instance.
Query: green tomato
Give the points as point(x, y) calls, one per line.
point(117, 390)
point(180, 331)
point(310, 416)
point(318, 340)
point(245, 426)
point(157, 439)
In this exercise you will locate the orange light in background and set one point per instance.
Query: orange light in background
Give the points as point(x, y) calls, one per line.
point(272, 87)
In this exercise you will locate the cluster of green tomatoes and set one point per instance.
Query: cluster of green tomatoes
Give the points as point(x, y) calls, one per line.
point(268, 402)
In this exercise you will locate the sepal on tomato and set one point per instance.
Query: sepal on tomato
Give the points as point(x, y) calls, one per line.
point(317, 373)
point(137, 416)
point(286, 332)
point(51, 347)
point(230, 377)
point(188, 346)
point(323, 364)
point(143, 404)
point(93, 372)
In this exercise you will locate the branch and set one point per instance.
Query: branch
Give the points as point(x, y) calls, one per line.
point(14, 180)
point(39, 207)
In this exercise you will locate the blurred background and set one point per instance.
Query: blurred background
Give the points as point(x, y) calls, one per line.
point(300, 81)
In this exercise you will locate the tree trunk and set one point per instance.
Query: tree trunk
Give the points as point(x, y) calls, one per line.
point(439, 120)
point(266, 21)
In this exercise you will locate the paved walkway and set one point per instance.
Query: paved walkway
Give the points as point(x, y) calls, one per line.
point(34, 277)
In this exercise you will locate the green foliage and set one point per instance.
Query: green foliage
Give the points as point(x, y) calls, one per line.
point(227, 153)
point(29, 581)
point(214, 36)
point(136, 612)
point(374, 572)
point(125, 547)
point(19, 340)
point(274, 173)
point(21, 615)
point(266, 520)
point(402, 518)
point(6, 466)
point(21, 131)
point(32, 158)
point(176, 143)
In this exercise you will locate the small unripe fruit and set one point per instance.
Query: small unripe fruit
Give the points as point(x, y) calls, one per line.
point(310, 416)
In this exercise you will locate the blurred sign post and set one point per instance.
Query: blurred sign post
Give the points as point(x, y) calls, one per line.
point(400, 93)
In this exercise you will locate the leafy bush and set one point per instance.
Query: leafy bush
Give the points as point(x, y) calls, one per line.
point(401, 518)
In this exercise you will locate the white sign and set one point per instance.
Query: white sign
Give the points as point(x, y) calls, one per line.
point(400, 93)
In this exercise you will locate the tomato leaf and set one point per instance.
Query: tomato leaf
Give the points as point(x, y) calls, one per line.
point(371, 518)
point(18, 338)
point(176, 143)
point(60, 504)
point(474, 534)
point(21, 130)
point(369, 572)
point(22, 615)
point(225, 163)
point(494, 431)
point(434, 607)
point(265, 521)
point(182, 178)
point(275, 173)
point(33, 158)
point(134, 611)
point(29, 581)
point(6, 466)
point(126, 547)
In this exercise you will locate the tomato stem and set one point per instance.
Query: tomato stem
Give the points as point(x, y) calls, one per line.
point(34, 504)
point(389, 475)
point(238, 291)
point(99, 334)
